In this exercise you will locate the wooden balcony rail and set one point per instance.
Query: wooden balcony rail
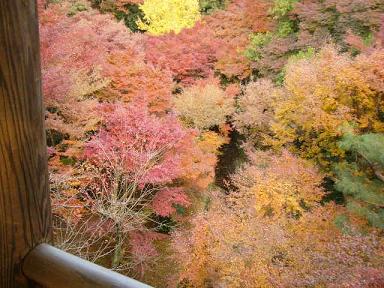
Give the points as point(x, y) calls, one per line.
point(53, 268)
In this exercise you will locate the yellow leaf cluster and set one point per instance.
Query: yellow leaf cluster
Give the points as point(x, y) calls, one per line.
point(210, 142)
point(278, 186)
point(164, 16)
point(204, 105)
point(322, 94)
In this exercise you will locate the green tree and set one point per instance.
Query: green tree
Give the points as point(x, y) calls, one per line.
point(361, 177)
point(208, 6)
point(131, 15)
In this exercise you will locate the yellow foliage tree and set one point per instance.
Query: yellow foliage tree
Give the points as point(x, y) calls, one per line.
point(278, 186)
point(204, 105)
point(164, 16)
point(322, 94)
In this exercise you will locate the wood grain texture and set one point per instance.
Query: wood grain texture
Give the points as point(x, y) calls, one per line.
point(52, 268)
point(24, 199)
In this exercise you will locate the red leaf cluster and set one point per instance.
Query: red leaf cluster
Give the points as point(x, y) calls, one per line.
point(164, 201)
point(189, 55)
point(137, 143)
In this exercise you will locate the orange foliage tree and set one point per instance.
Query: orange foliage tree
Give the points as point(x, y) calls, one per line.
point(134, 80)
point(235, 244)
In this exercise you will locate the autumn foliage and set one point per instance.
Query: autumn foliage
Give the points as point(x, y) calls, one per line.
point(278, 185)
point(323, 93)
point(148, 100)
point(189, 55)
point(289, 253)
point(137, 143)
point(212, 44)
point(134, 80)
point(204, 105)
point(233, 27)
point(164, 16)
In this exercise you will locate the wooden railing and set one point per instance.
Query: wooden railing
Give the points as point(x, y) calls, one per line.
point(25, 213)
point(53, 268)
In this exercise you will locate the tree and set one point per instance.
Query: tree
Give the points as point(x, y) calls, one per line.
point(164, 16)
point(126, 10)
point(362, 178)
point(199, 160)
point(165, 200)
point(135, 142)
point(189, 55)
point(231, 245)
point(270, 51)
point(208, 6)
point(232, 27)
point(256, 109)
point(323, 92)
point(276, 233)
point(320, 20)
point(75, 45)
point(278, 185)
point(75, 51)
point(303, 25)
point(134, 156)
point(215, 42)
point(204, 105)
point(132, 80)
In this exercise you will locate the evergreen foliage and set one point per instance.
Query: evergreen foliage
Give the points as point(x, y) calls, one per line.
point(131, 15)
point(361, 179)
point(208, 6)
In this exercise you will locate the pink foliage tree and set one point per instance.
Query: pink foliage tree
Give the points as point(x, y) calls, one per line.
point(142, 249)
point(133, 141)
point(136, 155)
point(164, 201)
point(78, 43)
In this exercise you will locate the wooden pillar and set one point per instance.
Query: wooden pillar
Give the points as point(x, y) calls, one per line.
point(24, 199)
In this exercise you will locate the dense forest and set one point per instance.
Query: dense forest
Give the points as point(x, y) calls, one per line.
point(218, 143)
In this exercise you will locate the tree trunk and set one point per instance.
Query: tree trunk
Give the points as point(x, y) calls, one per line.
point(118, 246)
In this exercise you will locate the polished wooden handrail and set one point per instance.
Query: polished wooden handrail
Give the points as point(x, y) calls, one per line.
point(53, 268)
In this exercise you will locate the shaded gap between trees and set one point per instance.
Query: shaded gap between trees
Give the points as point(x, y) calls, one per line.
point(230, 158)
